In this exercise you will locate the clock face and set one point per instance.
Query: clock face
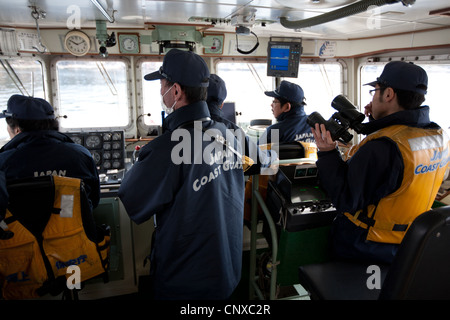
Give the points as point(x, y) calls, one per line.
point(77, 43)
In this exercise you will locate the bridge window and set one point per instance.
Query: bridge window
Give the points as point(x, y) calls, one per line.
point(19, 76)
point(435, 98)
point(321, 82)
point(92, 93)
point(246, 83)
point(151, 94)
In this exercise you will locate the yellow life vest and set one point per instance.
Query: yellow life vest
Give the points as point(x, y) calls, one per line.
point(29, 266)
point(425, 157)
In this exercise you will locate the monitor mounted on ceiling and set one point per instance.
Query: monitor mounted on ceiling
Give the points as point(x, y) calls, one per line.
point(283, 58)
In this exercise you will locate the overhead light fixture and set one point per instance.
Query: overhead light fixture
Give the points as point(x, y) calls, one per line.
point(103, 11)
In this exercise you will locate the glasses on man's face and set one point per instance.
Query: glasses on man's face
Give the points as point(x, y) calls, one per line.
point(372, 92)
point(275, 102)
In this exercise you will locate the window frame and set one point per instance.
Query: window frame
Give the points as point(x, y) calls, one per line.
point(217, 61)
point(43, 68)
point(142, 128)
point(343, 80)
point(277, 80)
point(43, 65)
point(382, 61)
point(130, 91)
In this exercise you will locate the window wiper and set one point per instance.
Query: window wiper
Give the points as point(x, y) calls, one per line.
point(14, 77)
point(255, 75)
point(107, 78)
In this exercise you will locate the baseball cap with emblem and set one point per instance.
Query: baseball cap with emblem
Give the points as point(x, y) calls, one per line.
point(288, 91)
point(404, 76)
point(28, 108)
point(217, 91)
point(183, 67)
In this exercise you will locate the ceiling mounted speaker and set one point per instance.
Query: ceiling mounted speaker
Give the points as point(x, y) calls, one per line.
point(317, 4)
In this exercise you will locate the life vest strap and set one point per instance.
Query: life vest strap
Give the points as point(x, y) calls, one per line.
point(365, 222)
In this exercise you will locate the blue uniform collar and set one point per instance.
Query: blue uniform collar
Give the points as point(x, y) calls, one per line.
point(294, 112)
point(214, 109)
point(419, 117)
point(188, 113)
point(33, 135)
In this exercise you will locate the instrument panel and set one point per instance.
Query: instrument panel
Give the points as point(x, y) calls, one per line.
point(107, 148)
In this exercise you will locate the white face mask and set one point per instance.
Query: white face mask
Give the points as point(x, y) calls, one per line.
point(165, 108)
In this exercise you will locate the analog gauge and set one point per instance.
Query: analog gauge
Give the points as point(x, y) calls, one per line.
point(97, 157)
point(116, 164)
point(116, 145)
point(129, 43)
point(107, 155)
point(107, 136)
point(77, 139)
point(93, 142)
point(116, 155)
point(107, 146)
point(107, 165)
point(77, 43)
point(116, 136)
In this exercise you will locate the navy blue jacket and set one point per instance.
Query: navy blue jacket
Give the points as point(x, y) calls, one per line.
point(292, 126)
point(37, 153)
point(197, 251)
point(261, 158)
point(373, 172)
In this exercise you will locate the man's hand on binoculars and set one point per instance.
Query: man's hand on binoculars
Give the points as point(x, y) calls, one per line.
point(323, 138)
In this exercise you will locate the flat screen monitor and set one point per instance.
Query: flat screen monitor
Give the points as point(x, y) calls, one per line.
point(283, 58)
point(229, 111)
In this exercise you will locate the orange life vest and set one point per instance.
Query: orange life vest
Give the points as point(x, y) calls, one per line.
point(29, 265)
point(425, 157)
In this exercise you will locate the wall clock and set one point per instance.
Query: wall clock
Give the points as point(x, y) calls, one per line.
point(77, 43)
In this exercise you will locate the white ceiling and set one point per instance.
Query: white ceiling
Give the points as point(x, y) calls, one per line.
point(387, 19)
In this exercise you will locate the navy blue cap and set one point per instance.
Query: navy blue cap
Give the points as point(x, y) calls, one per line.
point(183, 67)
point(28, 108)
point(217, 91)
point(404, 76)
point(288, 91)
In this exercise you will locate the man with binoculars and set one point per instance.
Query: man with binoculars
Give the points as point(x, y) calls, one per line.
point(392, 175)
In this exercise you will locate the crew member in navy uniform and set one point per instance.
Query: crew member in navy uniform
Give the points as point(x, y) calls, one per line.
point(194, 187)
point(288, 108)
point(262, 159)
point(37, 147)
point(217, 93)
point(392, 175)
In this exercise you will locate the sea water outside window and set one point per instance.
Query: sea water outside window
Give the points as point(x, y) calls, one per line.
point(19, 76)
point(436, 97)
point(92, 94)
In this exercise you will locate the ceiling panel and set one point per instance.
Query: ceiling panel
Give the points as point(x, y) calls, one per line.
point(136, 13)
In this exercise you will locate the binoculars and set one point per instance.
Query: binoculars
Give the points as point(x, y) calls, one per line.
point(338, 124)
